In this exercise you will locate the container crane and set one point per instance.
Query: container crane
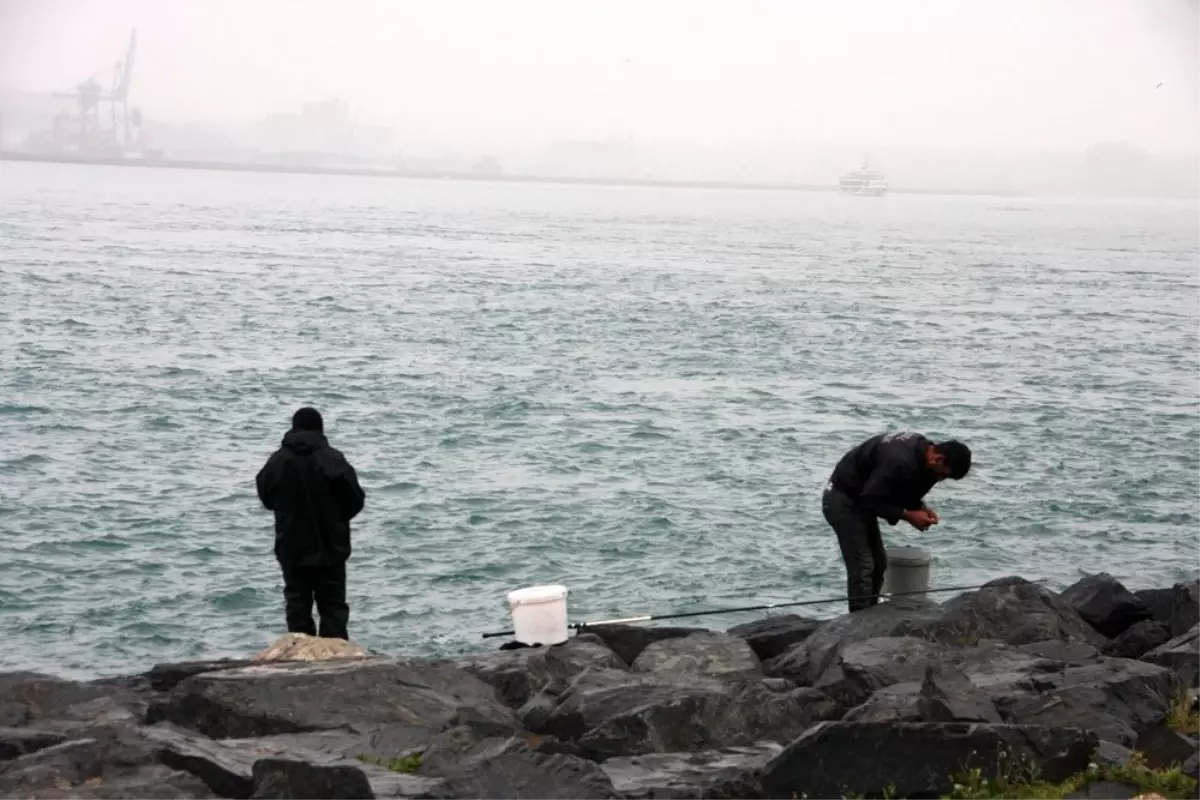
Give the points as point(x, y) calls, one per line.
point(90, 94)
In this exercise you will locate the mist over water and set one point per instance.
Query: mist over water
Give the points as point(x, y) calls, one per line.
point(635, 392)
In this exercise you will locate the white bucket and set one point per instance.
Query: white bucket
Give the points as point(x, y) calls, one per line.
point(907, 571)
point(539, 614)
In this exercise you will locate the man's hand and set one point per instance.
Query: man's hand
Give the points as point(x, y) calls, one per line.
point(921, 518)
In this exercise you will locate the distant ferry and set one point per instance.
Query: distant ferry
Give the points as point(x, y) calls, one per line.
point(864, 181)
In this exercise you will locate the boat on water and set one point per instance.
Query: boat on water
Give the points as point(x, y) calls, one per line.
point(864, 181)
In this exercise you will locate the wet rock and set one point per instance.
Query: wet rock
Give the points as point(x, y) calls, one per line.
point(295, 778)
point(398, 703)
point(1181, 655)
point(863, 667)
point(947, 695)
point(224, 768)
point(521, 674)
point(1074, 653)
point(806, 661)
point(900, 702)
point(730, 773)
point(1138, 639)
point(628, 641)
point(699, 654)
point(1177, 607)
point(302, 647)
point(1116, 698)
point(621, 714)
point(773, 636)
point(30, 696)
point(1011, 610)
point(916, 758)
point(165, 677)
point(15, 742)
point(112, 762)
point(1165, 747)
point(1105, 604)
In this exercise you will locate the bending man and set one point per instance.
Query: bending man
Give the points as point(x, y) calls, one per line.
point(885, 477)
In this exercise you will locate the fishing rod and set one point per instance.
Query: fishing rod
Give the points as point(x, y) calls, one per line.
point(765, 607)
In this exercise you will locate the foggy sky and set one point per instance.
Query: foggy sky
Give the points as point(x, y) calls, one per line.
point(958, 73)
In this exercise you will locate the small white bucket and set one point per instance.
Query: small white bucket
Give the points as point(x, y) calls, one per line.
point(907, 571)
point(539, 614)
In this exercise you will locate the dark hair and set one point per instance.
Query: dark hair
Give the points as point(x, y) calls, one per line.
point(957, 456)
point(308, 419)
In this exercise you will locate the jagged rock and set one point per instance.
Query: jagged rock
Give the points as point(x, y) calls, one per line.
point(1164, 747)
point(773, 636)
point(1074, 653)
point(1177, 607)
point(520, 674)
point(1112, 754)
point(112, 762)
point(916, 758)
point(806, 661)
point(628, 641)
point(705, 653)
point(863, 667)
point(618, 714)
point(730, 773)
point(15, 742)
point(947, 695)
point(29, 696)
point(165, 677)
point(295, 778)
point(1116, 698)
point(1138, 639)
point(1105, 604)
point(395, 704)
point(302, 647)
point(1181, 655)
point(1013, 611)
point(900, 702)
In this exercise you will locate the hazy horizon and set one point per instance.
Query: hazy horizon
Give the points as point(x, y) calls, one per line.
point(1022, 75)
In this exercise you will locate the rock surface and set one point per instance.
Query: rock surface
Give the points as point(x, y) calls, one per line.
point(1177, 607)
point(773, 636)
point(1138, 639)
point(302, 647)
point(1106, 604)
point(903, 690)
point(922, 758)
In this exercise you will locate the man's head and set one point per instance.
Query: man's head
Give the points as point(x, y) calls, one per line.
point(949, 460)
point(308, 419)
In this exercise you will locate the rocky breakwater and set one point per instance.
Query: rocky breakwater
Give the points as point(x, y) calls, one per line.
point(895, 700)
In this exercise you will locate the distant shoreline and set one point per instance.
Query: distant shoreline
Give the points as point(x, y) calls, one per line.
point(367, 172)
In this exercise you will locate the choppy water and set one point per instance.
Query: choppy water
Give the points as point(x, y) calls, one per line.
point(634, 392)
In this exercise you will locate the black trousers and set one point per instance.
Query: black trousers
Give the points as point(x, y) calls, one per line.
point(325, 585)
point(862, 548)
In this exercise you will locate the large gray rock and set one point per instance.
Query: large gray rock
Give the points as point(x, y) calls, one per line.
point(1177, 607)
point(920, 759)
point(863, 667)
point(706, 653)
point(395, 704)
point(628, 641)
point(620, 714)
point(1010, 610)
point(1165, 747)
point(899, 702)
point(1138, 639)
point(27, 697)
point(520, 674)
point(16, 742)
point(773, 636)
point(734, 772)
point(1181, 655)
point(1105, 604)
point(806, 661)
point(947, 695)
point(113, 762)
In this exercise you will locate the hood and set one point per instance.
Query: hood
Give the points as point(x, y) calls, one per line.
point(304, 442)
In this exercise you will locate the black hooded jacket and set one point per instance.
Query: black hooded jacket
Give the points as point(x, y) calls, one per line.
point(314, 493)
point(886, 475)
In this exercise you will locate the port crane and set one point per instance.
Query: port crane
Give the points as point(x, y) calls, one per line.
point(90, 95)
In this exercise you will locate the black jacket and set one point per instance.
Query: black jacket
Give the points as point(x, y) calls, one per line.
point(314, 493)
point(886, 475)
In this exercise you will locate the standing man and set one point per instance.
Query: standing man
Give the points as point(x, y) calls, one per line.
point(886, 477)
point(314, 493)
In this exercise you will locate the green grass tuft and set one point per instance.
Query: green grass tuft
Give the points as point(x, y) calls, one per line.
point(1170, 783)
point(405, 765)
point(1182, 716)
